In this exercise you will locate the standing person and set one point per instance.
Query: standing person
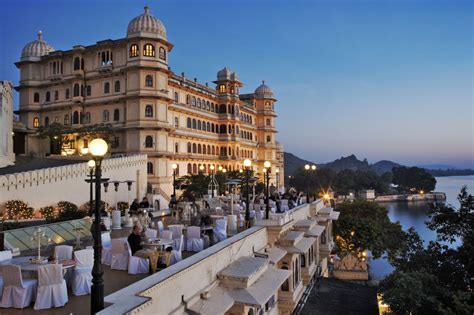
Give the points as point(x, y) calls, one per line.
point(144, 203)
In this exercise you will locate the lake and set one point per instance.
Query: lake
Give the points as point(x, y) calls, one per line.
point(415, 214)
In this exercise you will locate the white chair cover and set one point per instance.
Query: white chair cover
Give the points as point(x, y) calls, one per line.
point(106, 249)
point(83, 271)
point(5, 255)
point(136, 264)
point(120, 255)
point(52, 289)
point(177, 230)
point(259, 215)
point(150, 233)
point(161, 227)
point(194, 241)
point(176, 253)
point(219, 211)
point(220, 230)
point(17, 293)
point(167, 235)
point(63, 252)
point(252, 214)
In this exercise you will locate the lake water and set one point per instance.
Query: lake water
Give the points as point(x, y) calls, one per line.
point(415, 214)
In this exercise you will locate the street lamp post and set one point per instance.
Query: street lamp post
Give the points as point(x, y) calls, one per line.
point(308, 168)
point(247, 165)
point(267, 166)
point(212, 183)
point(174, 166)
point(313, 168)
point(277, 178)
point(91, 165)
point(98, 148)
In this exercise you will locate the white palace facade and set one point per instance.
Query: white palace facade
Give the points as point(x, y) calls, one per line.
point(128, 84)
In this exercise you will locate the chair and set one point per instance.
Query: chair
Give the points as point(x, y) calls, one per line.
point(120, 255)
point(106, 249)
point(220, 230)
point(194, 242)
point(167, 235)
point(161, 228)
point(82, 281)
point(136, 264)
point(17, 293)
point(177, 230)
point(52, 289)
point(63, 252)
point(219, 211)
point(150, 233)
point(259, 215)
point(176, 255)
point(5, 255)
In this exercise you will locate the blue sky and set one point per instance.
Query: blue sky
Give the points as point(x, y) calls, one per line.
point(380, 79)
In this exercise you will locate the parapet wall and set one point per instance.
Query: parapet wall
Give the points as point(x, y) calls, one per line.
point(47, 186)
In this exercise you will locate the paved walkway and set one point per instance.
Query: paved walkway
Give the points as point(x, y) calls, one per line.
point(337, 297)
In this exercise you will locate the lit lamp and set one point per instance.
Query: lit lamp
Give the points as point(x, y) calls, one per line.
point(212, 183)
point(84, 151)
point(308, 168)
point(98, 148)
point(266, 169)
point(91, 165)
point(201, 168)
point(174, 166)
point(247, 165)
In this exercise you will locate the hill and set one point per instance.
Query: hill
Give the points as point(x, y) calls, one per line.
point(384, 166)
point(292, 163)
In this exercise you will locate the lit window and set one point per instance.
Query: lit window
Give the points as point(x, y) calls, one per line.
point(222, 88)
point(149, 81)
point(148, 50)
point(36, 122)
point(134, 50)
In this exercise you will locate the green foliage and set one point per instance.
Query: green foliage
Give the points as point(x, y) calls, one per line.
point(48, 213)
point(17, 210)
point(364, 225)
point(437, 276)
point(413, 179)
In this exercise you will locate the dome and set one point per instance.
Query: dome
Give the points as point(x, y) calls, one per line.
point(224, 74)
point(234, 77)
point(146, 25)
point(36, 49)
point(264, 91)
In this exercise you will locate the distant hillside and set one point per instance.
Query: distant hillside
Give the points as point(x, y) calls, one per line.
point(350, 162)
point(443, 167)
point(292, 163)
point(384, 166)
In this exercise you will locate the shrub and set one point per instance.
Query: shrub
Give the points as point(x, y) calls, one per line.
point(17, 210)
point(69, 211)
point(48, 213)
point(86, 207)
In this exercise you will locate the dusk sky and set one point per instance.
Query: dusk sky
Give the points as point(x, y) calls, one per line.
point(380, 79)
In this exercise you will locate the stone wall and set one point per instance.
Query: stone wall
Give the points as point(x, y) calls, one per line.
point(47, 186)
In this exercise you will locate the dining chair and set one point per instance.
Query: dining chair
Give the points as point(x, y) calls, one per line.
point(17, 292)
point(220, 230)
point(176, 254)
point(194, 241)
point(136, 264)
point(106, 249)
point(161, 227)
point(63, 252)
point(52, 289)
point(82, 281)
point(151, 233)
point(120, 255)
point(167, 235)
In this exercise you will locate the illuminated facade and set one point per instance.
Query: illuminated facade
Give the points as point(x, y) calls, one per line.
point(127, 83)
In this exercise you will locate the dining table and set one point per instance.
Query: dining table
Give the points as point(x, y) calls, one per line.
point(158, 244)
point(30, 268)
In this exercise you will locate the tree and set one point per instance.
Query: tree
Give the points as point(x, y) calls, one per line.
point(365, 225)
point(439, 277)
point(413, 179)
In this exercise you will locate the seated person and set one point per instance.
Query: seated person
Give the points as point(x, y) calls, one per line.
point(144, 203)
point(134, 207)
point(135, 238)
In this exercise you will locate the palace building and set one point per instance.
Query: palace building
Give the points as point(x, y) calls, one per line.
point(128, 84)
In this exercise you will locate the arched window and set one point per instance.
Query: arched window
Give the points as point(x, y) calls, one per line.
point(176, 122)
point(117, 86)
point(199, 149)
point(213, 150)
point(212, 128)
point(208, 127)
point(212, 107)
point(190, 168)
point(88, 90)
point(176, 97)
point(194, 148)
point(269, 139)
point(222, 109)
point(46, 121)
point(199, 125)
point(189, 147)
point(105, 115)
point(106, 88)
point(268, 122)
point(36, 122)
point(148, 111)
point(199, 103)
point(194, 168)
point(193, 101)
point(148, 50)
point(87, 118)
point(134, 50)
point(77, 63)
point(81, 117)
point(48, 97)
point(56, 95)
point(149, 81)
point(116, 115)
point(148, 142)
point(208, 149)
point(208, 106)
point(285, 286)
point(222, 88)
point(67, 94)
point(176, 147)
point(75, 118)
point(194, 124)
point(66, 119)
point(204, 151)
point(149, 167)
point(223, 129)
point(303, 260)
point(188, 99)
point(237, 130)
point(162, 53)
point(188, 123)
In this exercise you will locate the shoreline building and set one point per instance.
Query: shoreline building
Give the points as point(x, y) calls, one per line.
point(128, 84)
point(7, 157)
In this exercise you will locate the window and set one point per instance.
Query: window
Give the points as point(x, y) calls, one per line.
point(36, 122)
point(67, 94)
point(106, 88)
point(222, 109)
point(188, 122)
point(189, 147)
point(199, 103)
point(268, 122)
point(162, 53)
point(75, 118)
point(148, 142)
point(269, 139)
point(76, 90)
point(149, 168)
point(194, 148)
point(87, 118)
point(222, 88)
point(232, 90)
point(36, 97)
point(82, 90)
point(149, 81)
point(77, 63)
point(88, 90)
point(148, 50)
point(176, 122)
point(117, 86)
point(115, 143)
point(176, 147)
point(46, 121)
point(188, 99)
point(134, 50)
point(116, 115)
point(223, 129)
point(66, 119)
point(176, 97)
point(56, 95)
point(194, 124)
point(48, 96)
point(148, 111)
point(56, 119)
point(193, 101)
point(190, 168)
point(105, 115)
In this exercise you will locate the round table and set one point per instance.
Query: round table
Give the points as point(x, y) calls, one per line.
point(26, 264)
point(157, 244)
